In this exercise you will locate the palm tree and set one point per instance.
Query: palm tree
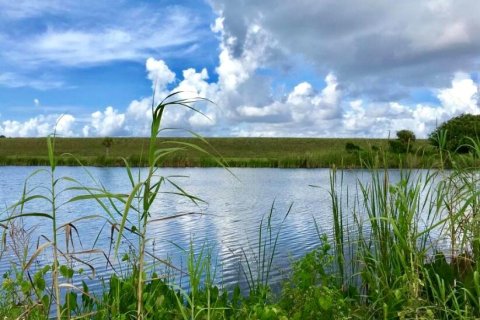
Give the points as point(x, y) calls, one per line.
point(107, 143)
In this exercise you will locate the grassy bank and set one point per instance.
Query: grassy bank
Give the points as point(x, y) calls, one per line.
point(236, 152)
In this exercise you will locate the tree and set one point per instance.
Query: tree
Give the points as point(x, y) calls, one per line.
point(406, 136)
point(2, 136)
point(454, 134)
point(107, 143)
point(404, 141)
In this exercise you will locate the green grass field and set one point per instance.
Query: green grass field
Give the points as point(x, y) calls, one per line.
point(237, 152)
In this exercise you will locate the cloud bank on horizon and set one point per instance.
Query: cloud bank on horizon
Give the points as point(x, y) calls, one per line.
point(308, 68)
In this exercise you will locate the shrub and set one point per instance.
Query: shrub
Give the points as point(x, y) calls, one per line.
point(406, 136)
point(313, 292)
point(457, 132)
point(396, 146)
point(351, 147)
point(403, 143)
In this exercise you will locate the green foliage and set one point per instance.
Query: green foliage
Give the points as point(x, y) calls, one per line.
point(137, 202)
point(258, 274)
point(458, 130)
point(313, 292)
point(237, 152)
point(406, 136)
point(351, 147)
point(403, 143)
point(107, 142)
point(121, 298)
point(397, 146)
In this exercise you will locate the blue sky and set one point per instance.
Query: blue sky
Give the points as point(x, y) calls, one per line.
point(307, 68)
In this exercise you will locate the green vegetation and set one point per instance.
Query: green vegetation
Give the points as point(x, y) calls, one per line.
point(236, 152)
point(403, 143)
point(107, 143)
point(406, 136)
point(400, 249)
point(457, 133)
point(351, 147)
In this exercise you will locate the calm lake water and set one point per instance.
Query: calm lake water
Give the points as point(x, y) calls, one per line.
point(227, 223)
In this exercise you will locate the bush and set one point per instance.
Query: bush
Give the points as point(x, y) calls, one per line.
point(456, 132)
point(404, 142)
point(313, 292)
point(351, 147)
point(396, 146)
point(406, 136)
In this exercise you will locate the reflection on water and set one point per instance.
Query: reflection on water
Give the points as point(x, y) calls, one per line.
point(227, 221)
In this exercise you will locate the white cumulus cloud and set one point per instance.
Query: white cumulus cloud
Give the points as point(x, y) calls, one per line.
point(65, 125)
point(371, 119)
point(39, 126)
point(107, 123)
point(160, 75)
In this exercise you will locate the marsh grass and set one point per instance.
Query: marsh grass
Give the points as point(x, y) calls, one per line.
point(399, 224)
point(121, 210)
point(259, 262)
point(238, 152)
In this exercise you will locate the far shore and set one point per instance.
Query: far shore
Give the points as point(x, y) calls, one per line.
point(232, 152)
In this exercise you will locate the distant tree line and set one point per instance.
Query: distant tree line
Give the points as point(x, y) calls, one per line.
point(454, 135)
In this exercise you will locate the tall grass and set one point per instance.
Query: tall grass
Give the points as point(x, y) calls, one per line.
point(403, 270)
point(260, 263)
point(145, 191)
point(124, 212)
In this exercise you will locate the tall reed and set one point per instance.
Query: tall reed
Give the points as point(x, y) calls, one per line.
point(27, 208)
point(131, 211)
point(260, 263)
point(401, 222)
point(140, 201)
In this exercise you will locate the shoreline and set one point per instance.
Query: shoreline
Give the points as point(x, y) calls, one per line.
point(230, 152)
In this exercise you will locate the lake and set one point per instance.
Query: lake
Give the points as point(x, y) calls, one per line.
point(227, 222)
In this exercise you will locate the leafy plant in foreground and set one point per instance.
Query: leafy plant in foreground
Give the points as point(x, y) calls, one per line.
point(312, 291)
point(138, 203)
point(41, 285)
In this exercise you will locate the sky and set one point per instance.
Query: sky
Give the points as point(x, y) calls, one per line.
point(306, 68)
